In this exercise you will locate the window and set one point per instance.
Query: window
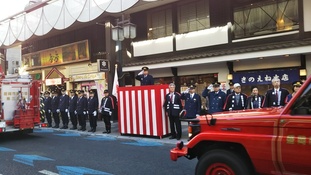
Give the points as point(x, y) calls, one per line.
point(302, 106)
point(160, 24)
point(265, 18)
point(193, 16)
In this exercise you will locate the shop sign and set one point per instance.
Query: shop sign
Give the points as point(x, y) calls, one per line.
point(103, 65)
point(53, 81)
point(88, 77)
point(78, 51)
point(286, 76)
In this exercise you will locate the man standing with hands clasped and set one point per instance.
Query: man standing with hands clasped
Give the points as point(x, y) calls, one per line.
point(236, 100)
point(106, 108)
point(173, 106)
point(81, 110)
point(276, 96)
point(144, 77)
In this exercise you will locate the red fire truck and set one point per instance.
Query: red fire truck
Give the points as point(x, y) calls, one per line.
point(259, 141)
point(19, 107)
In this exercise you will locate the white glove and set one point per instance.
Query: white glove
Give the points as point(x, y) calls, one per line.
point(186, 91)
point(87, 112)
point(68, 115)
point(49, 111)
point(57, 110)
point(210, 87)
point(76, 112)
point(197, 115)
point(66, 110)
point(100, 110)
point(84, 112)
point(141, 72)
point(94, 113)
point(110, 113)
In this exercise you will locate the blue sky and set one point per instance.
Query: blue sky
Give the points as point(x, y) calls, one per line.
point(11, 7)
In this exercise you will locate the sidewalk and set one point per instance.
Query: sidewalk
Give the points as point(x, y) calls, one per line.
point(115, 133)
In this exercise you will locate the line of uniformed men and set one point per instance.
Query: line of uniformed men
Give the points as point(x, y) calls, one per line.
point(218, 101)
point(78, 108)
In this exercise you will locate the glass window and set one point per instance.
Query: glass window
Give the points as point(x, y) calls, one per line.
point(302, 106)
point(265, 18)
point(160, 24)
point(193, 16)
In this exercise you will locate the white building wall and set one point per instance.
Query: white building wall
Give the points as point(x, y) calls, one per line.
point(14, 57)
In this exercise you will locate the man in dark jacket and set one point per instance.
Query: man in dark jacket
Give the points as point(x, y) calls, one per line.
point(106, 108)
point(72, 107)
point(217, 99)
point(173, 107)
point(63, 108)
point(255, 100)
point(236, 100)
point(48, 107)
point(81, 110)
point(231, 89)
point(144, 77)
point(55, 110)
point(192, 102)
point(92, 107)
point(276, 96)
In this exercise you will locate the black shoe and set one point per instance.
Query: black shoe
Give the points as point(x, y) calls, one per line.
point(106, 132)
point(80, 129)
point(73, 128)
point(178, 138)
point(83, 129)
point(94, 130)
point(49, 125)
point(56, 126)
point(63, 127)
point(172, 137)
point(91, 130)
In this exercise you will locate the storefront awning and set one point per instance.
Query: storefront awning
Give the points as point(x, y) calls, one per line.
point(56, 14)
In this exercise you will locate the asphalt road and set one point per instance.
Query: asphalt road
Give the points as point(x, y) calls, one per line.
point(55, 152)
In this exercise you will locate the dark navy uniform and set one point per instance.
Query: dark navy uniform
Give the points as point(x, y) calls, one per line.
point(81, 110)
point(255, 101)
point(72, 107)
point(63, 107)
point(48, 108)
point(230, 90)
point(217, 101)
point(106, 108)
point(145, 79)
point(92, 107)
point(236, 102)
point(173, 107)
point(192, 104)
point(275, 97)
point(297, 84)
point(54, 107)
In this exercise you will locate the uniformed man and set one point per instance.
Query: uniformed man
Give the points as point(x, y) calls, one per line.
point(192, 102)
point(63, 108)
point(81, 110)
point(217, 99)
point(48, 108)
point(276, 96)
point(236, 100)
point(173, 107)
point(255, 100)
point(55, 110)
point(296, 87)
point(106, 108)
point(42, 111)
point(92, 110)
point(144, 77)
point(72, 107)
point(231, 89)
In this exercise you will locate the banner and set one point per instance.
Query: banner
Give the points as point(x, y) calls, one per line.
point(287, 76)
point(100, 86)
point(115, 83)
point(78, 51)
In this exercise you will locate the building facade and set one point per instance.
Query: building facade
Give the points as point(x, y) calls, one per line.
point(182, 41)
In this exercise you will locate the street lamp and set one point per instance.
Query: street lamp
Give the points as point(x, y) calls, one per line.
point(123, 29)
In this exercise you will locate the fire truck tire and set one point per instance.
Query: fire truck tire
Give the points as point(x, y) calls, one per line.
point(26, 131)
point(216, 162)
